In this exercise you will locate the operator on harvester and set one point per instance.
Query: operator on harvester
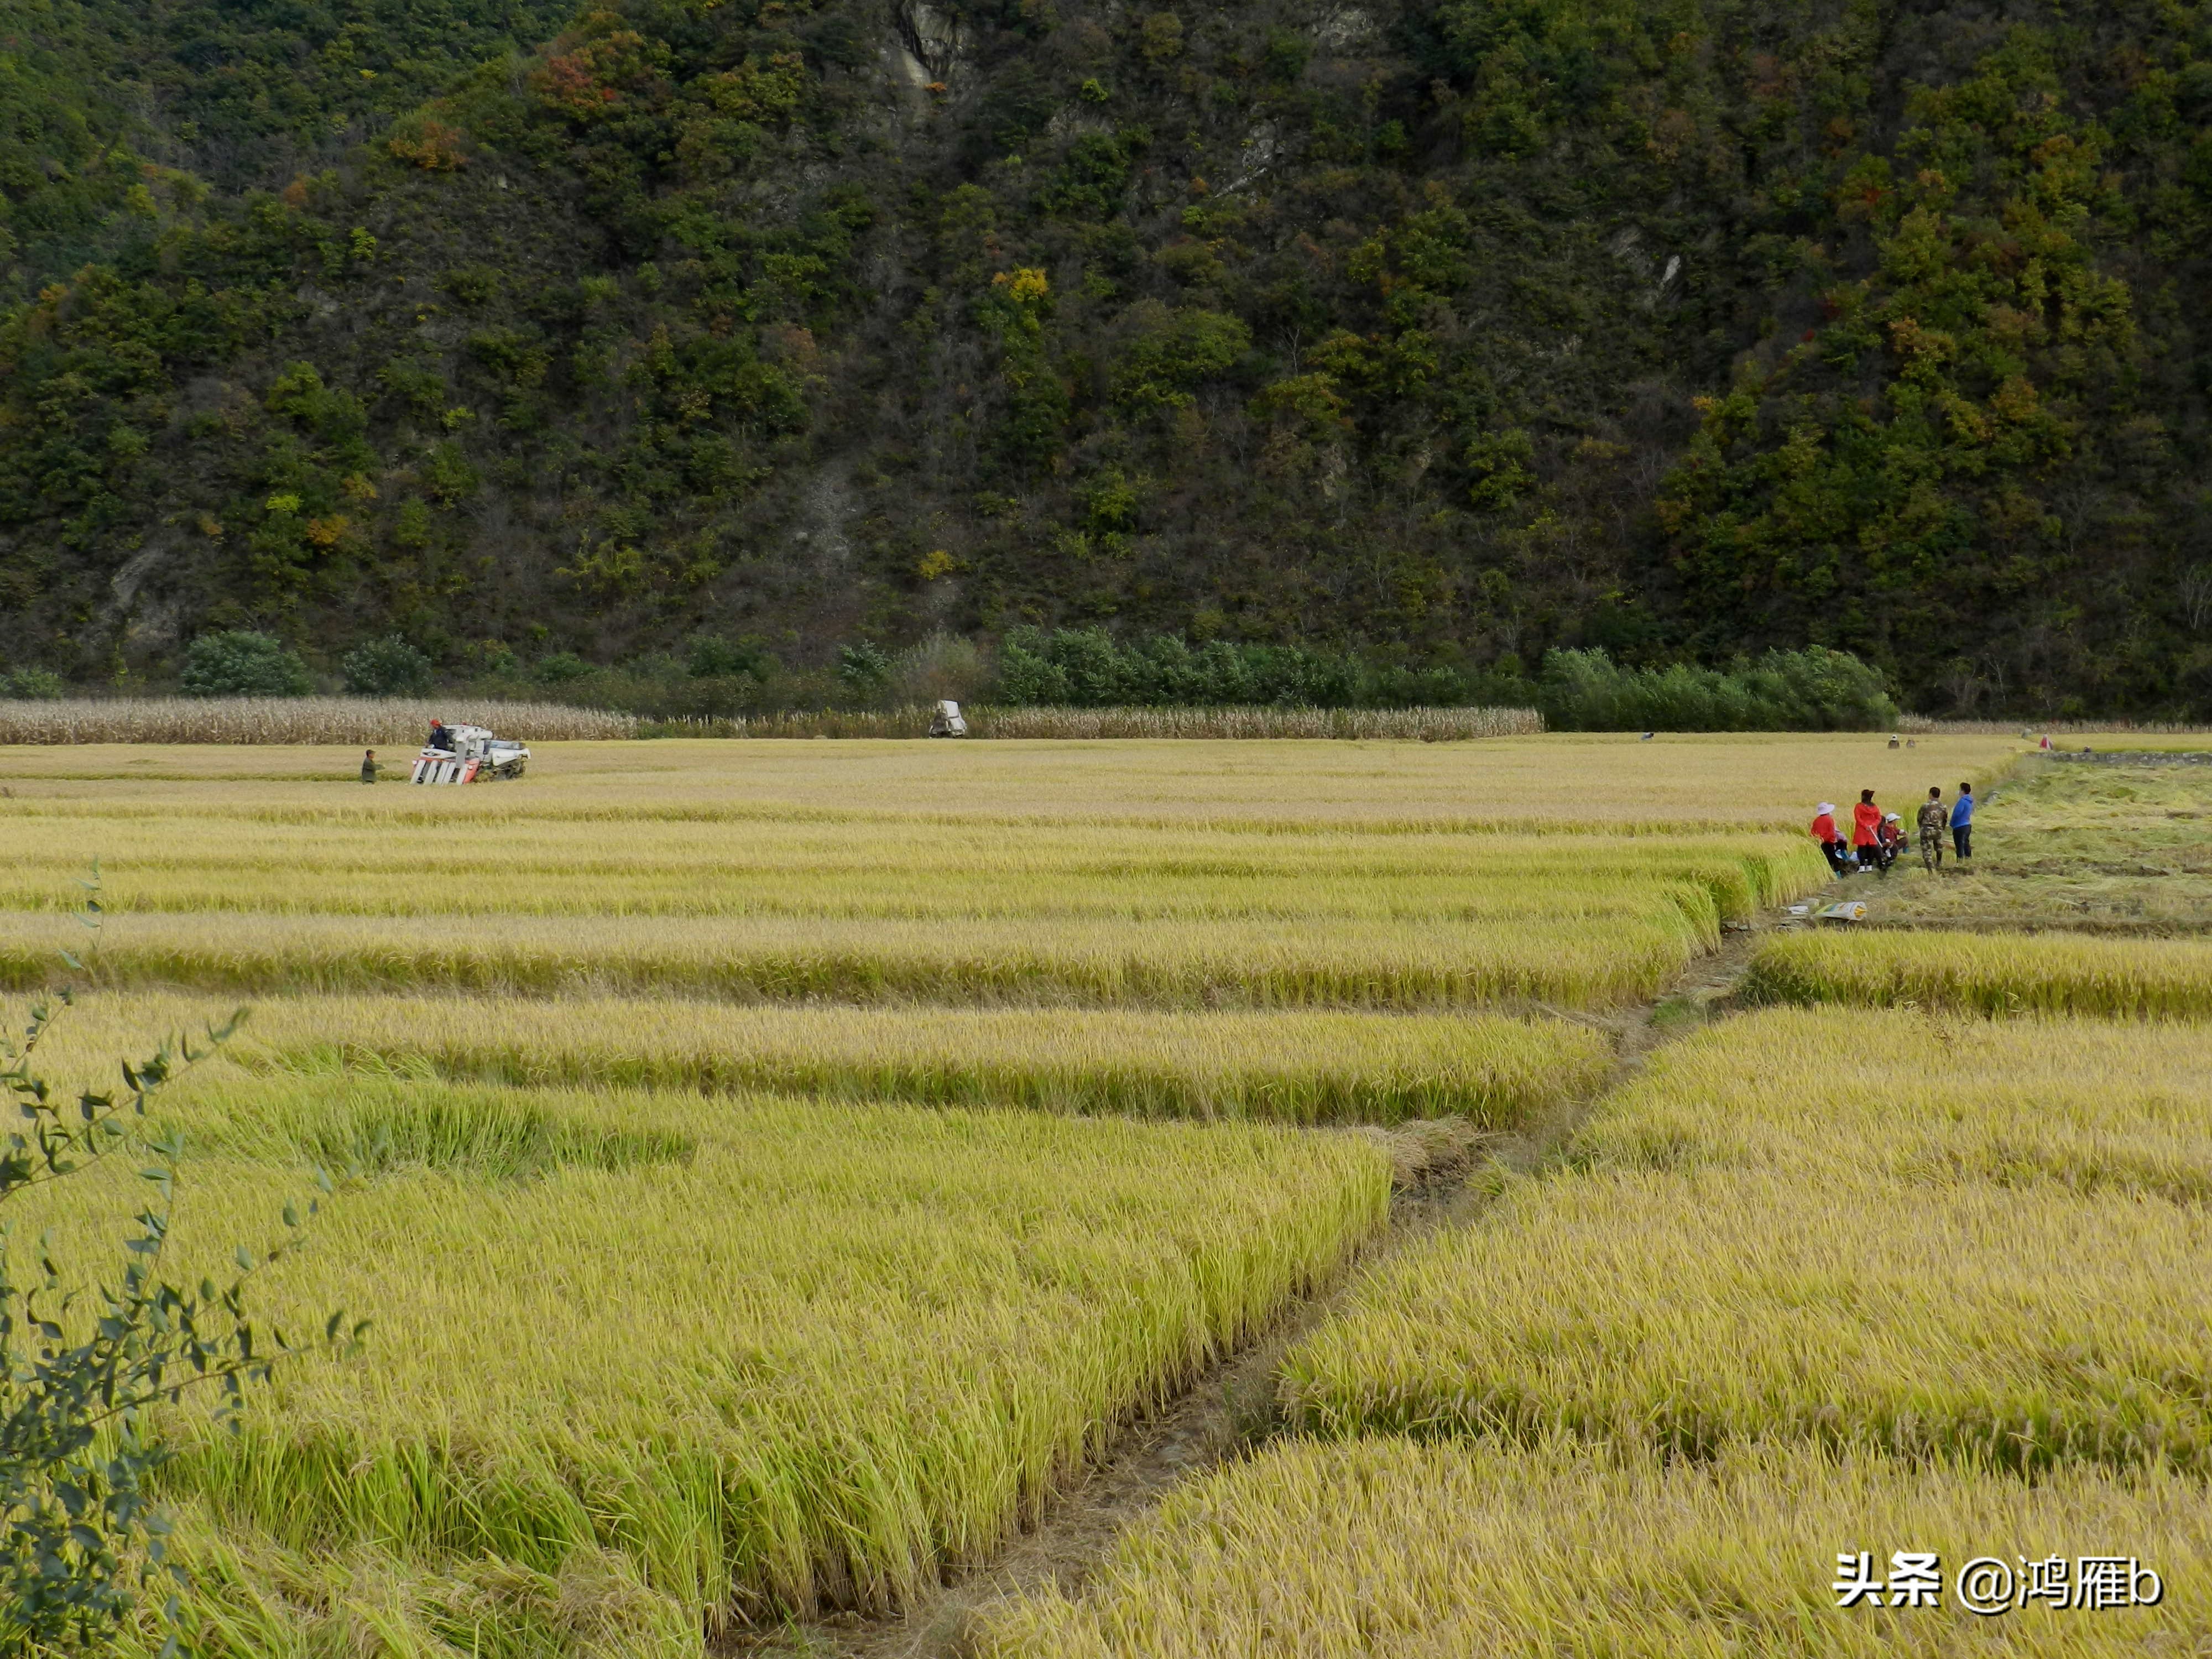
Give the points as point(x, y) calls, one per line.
point(440, 736)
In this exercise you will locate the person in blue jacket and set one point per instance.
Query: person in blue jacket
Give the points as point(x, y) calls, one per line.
point(1962, 822)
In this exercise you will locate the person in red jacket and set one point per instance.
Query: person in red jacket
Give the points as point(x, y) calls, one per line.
point(1866, 832)
point(1824, 832)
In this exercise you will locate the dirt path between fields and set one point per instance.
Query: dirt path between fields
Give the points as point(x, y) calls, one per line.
point(1228, 1409)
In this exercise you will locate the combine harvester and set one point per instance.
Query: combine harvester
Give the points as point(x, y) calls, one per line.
point(469, 754)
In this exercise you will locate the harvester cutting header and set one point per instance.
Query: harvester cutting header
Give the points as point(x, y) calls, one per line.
point(467, 754)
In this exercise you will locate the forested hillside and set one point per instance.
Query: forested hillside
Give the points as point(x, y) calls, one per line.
point(1447, 332)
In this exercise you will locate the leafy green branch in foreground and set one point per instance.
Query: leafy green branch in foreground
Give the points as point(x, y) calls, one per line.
point(80, 1370)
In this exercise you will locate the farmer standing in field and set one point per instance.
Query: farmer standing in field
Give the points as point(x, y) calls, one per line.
point(1824, 832)
point(1866, 833)
point(368, 766)
point(1962, 823)
point(1933, 818)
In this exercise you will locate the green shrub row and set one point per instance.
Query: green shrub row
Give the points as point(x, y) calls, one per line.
point(1811, 689)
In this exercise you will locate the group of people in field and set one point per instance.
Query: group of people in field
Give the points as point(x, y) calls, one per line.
point(1877, 838)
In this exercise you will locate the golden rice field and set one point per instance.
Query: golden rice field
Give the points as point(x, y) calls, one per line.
point(1307, 1066)
point(885, 872)
point(1493, 1550)
point(1302, 963)
point(773, 1350)
point(1982, 1241)
point(1603, 783)
point(1988, 973)
point(778, 1168)
point(620, 877)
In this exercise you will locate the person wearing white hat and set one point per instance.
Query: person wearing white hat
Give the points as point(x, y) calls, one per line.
point(1892, 842)
point(1831, 844)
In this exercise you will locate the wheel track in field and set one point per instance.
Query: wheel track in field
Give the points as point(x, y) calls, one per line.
point(1227, 1409)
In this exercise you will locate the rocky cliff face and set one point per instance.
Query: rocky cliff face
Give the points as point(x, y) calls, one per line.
point(1453, 332)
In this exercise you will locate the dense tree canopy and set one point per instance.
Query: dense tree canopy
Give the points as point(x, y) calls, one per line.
point(1450, 333)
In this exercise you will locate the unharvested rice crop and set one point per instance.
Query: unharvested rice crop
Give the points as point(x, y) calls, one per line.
point(764, 902)
point(1451, 1551)
point(291, 719)
point(1286, 965)
point(1592, 783)
point(1987, 972)
point(187, 862)
point(1307, 1067)
point(656, 1350)
point(1925, 1102)
point(254, 1598)
point(1986, 1241)
point(772, 1352)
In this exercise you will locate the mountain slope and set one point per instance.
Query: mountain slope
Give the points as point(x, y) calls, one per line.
point(1453, 332)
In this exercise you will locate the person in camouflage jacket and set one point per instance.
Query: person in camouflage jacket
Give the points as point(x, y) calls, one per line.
point(1934, 820)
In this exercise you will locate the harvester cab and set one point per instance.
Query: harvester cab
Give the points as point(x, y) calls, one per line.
point(469, 755)
point(947, 721)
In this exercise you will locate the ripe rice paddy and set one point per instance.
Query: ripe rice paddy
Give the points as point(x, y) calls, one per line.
point(1984, 1242)
point(1592, 783)
point(1326, 1066)
point(183, 863)
point(1988, 973)
point(774, 1351)
point(1487, 1551)
point(1816, 1282)
point(560, 887)
point(778, 1166)
point(1307, 963)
